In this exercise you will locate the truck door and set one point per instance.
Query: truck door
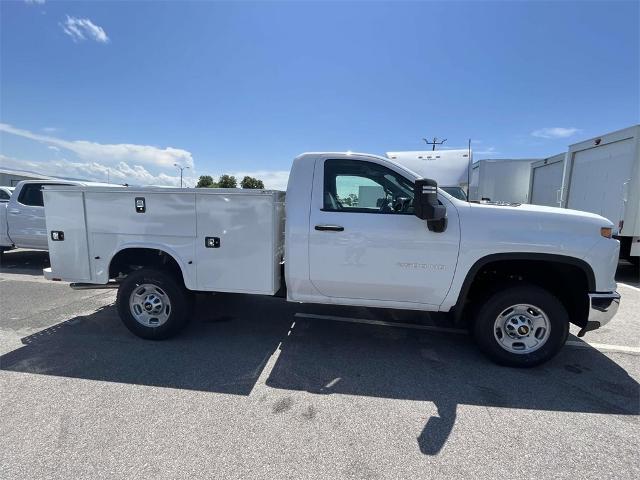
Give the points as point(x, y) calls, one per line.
point(25, 218)
point(365, 242)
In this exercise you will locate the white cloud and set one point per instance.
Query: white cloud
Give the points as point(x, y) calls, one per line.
point(80, 29)
point(111, 154)
point(555, 132)
point(94, 171)
point(122, 163)
point(37, 2)
point(50, 129)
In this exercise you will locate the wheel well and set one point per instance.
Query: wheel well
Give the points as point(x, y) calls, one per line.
point(569, 282)
point(130, 259)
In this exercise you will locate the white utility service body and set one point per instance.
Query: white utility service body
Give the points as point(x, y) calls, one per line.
point(545, 182)
point(602, 175)
point(418, 248)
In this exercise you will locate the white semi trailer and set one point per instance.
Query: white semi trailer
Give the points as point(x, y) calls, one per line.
point(450, 168)
point(602, 176)
point(546, 181)
point(503, 180)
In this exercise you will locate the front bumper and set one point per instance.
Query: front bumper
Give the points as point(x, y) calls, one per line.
point(602, 308)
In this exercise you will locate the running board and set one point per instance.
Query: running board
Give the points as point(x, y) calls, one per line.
point(94, 286)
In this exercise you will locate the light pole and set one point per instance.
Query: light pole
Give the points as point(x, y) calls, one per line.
point(181, 169)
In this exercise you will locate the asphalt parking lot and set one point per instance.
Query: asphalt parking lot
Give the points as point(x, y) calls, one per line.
point(257, 387)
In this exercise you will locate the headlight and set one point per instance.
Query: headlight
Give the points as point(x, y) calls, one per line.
point(605, 232)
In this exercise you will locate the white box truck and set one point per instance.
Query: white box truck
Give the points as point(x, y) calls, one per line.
point(546, 181)
point(515, 285)
point(501, 180)
point(450, 168)
point(602, 175)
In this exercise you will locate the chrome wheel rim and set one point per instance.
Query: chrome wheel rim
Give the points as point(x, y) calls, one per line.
point(522, 328)
point(150, 305)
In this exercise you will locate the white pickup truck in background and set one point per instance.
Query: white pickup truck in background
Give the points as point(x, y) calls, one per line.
point(22, 222)
point(5, 193)
point(515, 275)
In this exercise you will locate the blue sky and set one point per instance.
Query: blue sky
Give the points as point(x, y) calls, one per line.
point(243, 87)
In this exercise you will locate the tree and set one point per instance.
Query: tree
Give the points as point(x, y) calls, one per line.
point(227, 181)
point(205, 181)
point(351, 200)
point(250, 182)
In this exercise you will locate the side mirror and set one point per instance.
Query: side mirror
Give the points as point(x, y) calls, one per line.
point(426, 205)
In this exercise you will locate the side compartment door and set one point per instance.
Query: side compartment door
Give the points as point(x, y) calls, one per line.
point(235, 243)
point(365, 242)
point(69, 257)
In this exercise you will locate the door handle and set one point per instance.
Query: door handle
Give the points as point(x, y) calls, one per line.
point(14, 212)
point(329, 228)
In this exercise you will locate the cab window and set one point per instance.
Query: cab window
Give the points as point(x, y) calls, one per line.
point(365, 187)
point(31, 194)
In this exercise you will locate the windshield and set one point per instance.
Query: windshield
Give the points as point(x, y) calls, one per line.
point(456, 192)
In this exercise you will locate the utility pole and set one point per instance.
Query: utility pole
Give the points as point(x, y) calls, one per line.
point(181, 170)
point(435, 142)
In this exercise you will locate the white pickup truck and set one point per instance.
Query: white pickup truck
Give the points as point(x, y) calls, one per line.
point(22, 216)
point(22, 222)
point(516, 275)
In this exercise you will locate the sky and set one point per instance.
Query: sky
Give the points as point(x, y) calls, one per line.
point(122, 91)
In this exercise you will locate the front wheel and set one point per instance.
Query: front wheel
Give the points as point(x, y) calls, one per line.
point(153, 305)
point(521, 326)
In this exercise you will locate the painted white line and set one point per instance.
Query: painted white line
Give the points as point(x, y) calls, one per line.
point(604, 347)
point(368, 321)
point(629, 286)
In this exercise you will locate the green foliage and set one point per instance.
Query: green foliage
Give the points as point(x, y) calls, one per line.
point(351, 200)
point(205, 181)
point(227, 181)
point(250, 182)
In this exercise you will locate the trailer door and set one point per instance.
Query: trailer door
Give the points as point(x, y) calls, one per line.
point(597, 179)
point(547, 180)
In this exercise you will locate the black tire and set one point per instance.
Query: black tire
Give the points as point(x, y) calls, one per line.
point(180, 310)
point(497, 302)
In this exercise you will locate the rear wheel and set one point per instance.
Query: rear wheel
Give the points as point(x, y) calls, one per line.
point(521, 326)
point(153, 305)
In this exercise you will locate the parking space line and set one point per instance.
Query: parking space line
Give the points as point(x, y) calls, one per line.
point(604, 347)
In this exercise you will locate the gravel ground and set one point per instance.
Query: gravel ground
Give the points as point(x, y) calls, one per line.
point(251, 390)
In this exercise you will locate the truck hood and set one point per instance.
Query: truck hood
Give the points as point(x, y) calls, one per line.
point(538, 213)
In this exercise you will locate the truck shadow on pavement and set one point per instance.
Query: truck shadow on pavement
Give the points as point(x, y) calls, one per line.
point(24, 262)
point(228, 345)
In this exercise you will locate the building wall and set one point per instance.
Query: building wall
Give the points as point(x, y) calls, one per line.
point(9, 179)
